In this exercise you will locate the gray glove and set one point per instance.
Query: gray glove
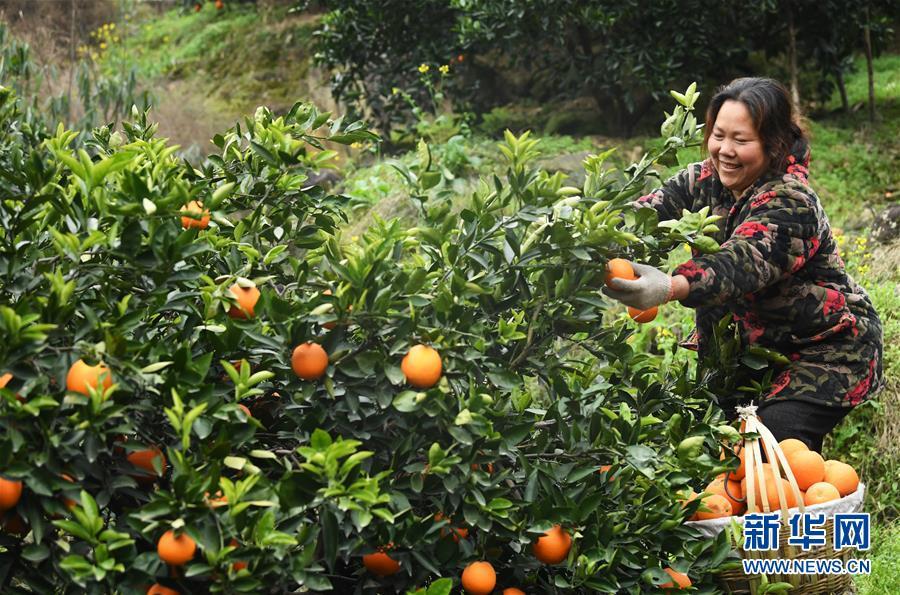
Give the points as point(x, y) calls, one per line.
point(651, 288)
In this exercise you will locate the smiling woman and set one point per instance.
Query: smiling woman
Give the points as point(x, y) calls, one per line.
point(777, 272)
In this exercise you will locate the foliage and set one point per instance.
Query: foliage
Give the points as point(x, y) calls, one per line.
point(538, 389)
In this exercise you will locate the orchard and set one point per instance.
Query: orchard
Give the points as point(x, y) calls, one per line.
point(207, 389)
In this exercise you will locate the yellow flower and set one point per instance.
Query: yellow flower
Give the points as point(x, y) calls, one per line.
point(394, 90)
point(102, 45)
point(444, 69)
point(423, 68)
point(112, 25)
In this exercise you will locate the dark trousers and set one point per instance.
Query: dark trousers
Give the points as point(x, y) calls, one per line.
point(807, 422)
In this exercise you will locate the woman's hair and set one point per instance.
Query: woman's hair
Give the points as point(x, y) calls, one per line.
point(776, 119)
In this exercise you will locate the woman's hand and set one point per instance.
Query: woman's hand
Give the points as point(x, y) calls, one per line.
point(652, 288)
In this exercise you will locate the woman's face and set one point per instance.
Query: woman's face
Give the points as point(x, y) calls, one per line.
point(735, 147)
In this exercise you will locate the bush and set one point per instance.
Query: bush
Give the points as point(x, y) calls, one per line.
point(284, 482)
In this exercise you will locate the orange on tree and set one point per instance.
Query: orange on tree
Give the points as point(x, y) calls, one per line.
point(792, 445)
point(714, 506)
point(245, 409)
point(10, 493)
point(643, 316)
point(144, 459)
point(479, 578)
point(176, 550)
point(619, 268)
point(821, 492)
point(309, 361)
point(513, 591)
point(69, 502)
point(808, 467)
point(82, 377)
point(842, 476)
point(4, 379)
point(458, 532)
point(239, 565)
point(381, 564)
point(731, 491)
point(246, 300)
point(157, 589)
point(195, 217)
point(679, 580)
point(553, 546)
point(421, 366)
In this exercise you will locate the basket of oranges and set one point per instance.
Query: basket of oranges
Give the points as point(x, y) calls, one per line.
point(792, 480)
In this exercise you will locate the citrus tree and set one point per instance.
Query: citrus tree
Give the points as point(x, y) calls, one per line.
point(207, 389)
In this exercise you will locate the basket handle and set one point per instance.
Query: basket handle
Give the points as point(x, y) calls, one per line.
point(753, 465)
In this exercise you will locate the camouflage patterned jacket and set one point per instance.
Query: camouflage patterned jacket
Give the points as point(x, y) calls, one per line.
point(779, 274)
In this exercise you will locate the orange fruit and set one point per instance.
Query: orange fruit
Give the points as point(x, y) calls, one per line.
point(791, 445)
point(237, 566)
point(479, 578)
point(200, 218)
point(14, 524)
point(10, 492)
point(458, 532)
point(513, 591)
point(808, 467)
point(679, 579)
point(772, 492)
point(842, 476)
point(714, 506)
point(245, 409)
point(82, 377)
point(380, 564)
point(158, 589)
point(643, 316)
point(553, 547)
point(4, 379)
point(619, 268)
point(733, 493)
point(309, 361)
point(421, 366)
point(143, 459)
point(217, 501)
point(821, 492)
point(176, 550)
point(246, 301)
point(739, 473)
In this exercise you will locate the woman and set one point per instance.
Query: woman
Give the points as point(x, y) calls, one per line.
point(778, 271)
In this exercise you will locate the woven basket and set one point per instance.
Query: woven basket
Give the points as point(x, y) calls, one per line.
point(734, 580)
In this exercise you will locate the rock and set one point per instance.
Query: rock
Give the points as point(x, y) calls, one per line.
point(886, 226)
point(571, 164)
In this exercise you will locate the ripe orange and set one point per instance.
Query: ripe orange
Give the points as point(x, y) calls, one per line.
point(200, 219)
point(643, 316)
point(739, 473)
point(246, 298)
point(808, 467)
point(679, 579)
point(842, 476)
point(10, 492)
point(158, 589)
point(619, 268)
point(176, 550)
point(458, 532)
point(714, 506)
point(421, 366)
point(479, 578)
point(553, 547)
point(143, 459)
point(237, 566)
point(733, 493)
point(772, 492)
point(513, 591)
point(82, 377)
point(309, 361)
point(821, 492)
point(792, 445)
point(220, 5)
point(4, 379)
point(380, 564)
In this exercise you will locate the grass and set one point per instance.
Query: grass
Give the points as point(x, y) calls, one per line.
point(885, 556)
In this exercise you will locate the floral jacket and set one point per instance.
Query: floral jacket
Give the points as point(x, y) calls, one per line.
point(780, 275)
